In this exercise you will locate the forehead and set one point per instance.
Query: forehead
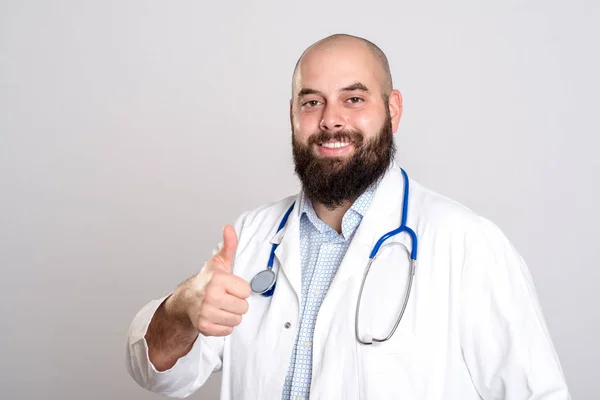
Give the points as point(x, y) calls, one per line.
point(328, 69)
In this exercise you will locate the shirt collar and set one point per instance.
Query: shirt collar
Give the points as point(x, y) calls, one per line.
point(352, 217)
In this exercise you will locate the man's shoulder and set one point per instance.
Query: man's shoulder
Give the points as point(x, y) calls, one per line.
point(441, 212)
point(449, 219)
point(265, 216)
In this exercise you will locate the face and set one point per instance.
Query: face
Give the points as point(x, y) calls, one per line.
point(342, 125)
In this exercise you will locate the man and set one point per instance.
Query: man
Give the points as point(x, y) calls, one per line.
point(472, 327)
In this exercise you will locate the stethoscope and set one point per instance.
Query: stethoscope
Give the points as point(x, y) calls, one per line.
point(264, 282)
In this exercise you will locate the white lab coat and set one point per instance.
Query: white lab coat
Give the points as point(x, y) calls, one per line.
point(473, 327)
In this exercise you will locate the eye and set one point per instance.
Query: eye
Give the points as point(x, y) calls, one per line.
point(355, 100)
point(311, 103)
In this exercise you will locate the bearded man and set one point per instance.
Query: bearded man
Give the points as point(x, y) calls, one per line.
point(301, 301)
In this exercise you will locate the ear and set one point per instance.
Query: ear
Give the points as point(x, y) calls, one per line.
point(292, 113)
point(395, 104)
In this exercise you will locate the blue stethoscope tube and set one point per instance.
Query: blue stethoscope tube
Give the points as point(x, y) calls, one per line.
point(402, 227)
point(265, 281)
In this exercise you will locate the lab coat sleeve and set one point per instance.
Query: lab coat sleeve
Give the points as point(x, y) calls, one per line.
point(188, 374)
point(191, 371)
point(504, 338)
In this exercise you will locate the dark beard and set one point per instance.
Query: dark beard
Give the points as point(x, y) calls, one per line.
point(332, 181)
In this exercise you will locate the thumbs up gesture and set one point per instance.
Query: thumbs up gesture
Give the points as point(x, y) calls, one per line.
point(214, 300)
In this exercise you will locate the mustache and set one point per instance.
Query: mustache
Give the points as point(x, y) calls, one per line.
point(354, 137)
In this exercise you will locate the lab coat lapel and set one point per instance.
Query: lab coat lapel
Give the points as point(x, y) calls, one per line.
point(288, 251)
point(382, 216)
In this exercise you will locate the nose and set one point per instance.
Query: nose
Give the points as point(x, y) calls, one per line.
point(333, 120)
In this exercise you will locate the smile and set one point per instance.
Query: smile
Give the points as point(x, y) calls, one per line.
point(335, 145)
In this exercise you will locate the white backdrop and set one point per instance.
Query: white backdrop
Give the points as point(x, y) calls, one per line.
point(132, 131)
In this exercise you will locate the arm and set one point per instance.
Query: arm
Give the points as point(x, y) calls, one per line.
point(188, 373)
point(176, 343)
point(505, 342)
point(170, 336)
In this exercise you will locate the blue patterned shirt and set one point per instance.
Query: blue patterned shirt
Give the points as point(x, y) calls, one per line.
point(322, 250)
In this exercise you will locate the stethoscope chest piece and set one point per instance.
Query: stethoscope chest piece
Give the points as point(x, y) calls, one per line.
point(264, 282)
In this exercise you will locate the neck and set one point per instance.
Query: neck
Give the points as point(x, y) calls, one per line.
point(334, 217)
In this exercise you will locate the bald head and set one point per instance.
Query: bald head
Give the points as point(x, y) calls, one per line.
point(343, 43)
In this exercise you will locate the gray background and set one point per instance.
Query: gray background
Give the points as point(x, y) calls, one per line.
point(131, 132)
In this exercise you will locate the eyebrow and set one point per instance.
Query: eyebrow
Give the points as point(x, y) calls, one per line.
point(355, 86)
point(351, 88)
point(307, 91)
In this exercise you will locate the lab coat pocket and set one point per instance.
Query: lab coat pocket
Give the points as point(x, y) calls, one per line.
point(388, 370)
point(388, 374)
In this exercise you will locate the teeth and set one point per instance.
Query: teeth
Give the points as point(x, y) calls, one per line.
point(335, 145)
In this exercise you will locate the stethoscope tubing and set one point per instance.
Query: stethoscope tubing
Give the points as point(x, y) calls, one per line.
point(270, 289)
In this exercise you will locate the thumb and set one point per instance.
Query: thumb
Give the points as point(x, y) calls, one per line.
point(227, 252)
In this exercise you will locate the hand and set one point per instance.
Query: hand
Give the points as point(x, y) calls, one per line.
point(214, 300)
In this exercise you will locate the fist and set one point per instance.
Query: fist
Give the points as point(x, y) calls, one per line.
point(214, 300)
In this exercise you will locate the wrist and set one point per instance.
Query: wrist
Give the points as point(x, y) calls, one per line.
point(176, 313)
